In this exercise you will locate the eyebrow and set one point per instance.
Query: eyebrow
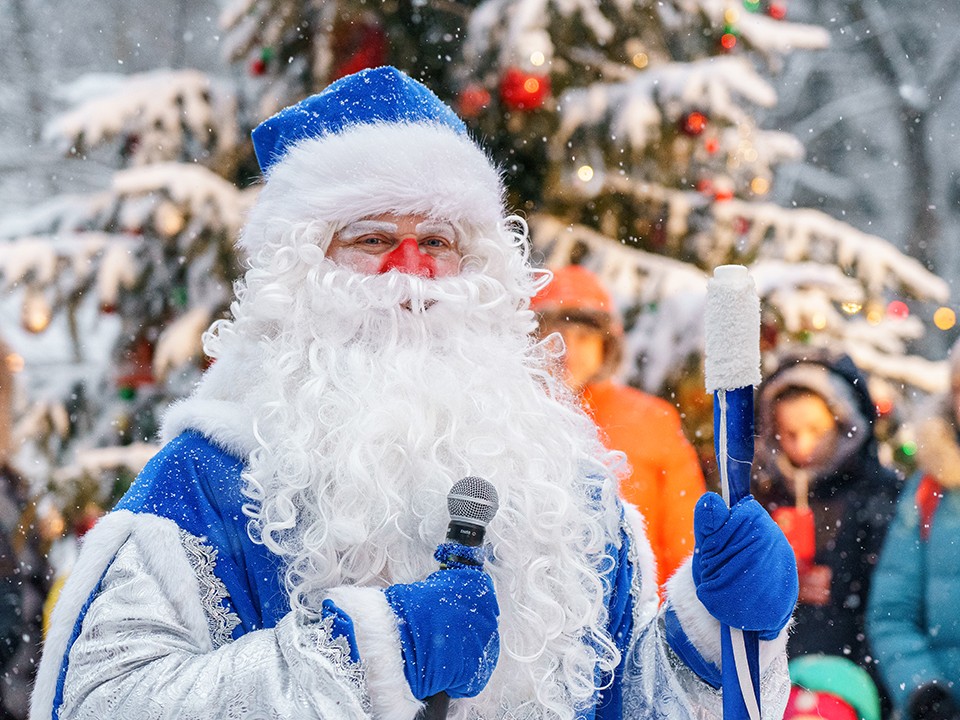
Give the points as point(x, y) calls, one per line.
point(362, 227)
point(436, 226)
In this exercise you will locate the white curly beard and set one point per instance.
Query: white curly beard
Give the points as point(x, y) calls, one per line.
point(370, 396)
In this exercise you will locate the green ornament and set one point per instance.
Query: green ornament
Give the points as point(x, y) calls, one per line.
point(127, 393)
point(178, 296)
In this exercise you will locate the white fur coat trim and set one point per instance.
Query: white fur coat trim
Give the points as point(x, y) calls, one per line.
point(171, 570)
point(221, 406)
point(375, 168)
point(378, 643)
point(645, 563)
point(703, 629)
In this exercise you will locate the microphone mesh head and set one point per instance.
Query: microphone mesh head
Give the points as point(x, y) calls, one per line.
point(473, 500)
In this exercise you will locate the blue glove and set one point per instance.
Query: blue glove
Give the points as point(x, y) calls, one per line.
point(743, 567)
point(448, 631)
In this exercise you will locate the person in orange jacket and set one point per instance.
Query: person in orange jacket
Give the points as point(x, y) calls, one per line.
point(665, 477)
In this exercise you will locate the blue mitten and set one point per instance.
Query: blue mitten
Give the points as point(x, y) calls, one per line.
point(743, 567)
point(448, 631)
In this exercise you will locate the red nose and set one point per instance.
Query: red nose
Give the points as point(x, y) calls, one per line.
point(407, 258)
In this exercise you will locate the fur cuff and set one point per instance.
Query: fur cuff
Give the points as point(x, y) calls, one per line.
point(702, 629)
point(378, 643)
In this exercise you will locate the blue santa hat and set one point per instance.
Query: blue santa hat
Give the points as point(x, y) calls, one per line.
point(373, 142)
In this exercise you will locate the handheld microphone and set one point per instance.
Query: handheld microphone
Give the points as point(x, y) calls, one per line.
point(472, 503)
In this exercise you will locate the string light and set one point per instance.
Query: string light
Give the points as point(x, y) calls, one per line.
point(731, 15)
point(760, 185)
point(728, 41)
point(36, 312)
point(168, 219)
point(944, 318)
point(850, 307)
point(874, 315)
point(640, 60)
point(537, 59)
point(585, 173)
point(884, 406)
point(15, 362)
point(819, 321)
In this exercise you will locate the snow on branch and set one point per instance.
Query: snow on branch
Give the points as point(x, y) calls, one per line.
point(159, 114)
point(517, 29)
point(60, 213)
point(775, 37)
point(194, 188)
point(800, 234)
point(181, 340)
point(95, 462)
point(41, 261)
point(634, 110)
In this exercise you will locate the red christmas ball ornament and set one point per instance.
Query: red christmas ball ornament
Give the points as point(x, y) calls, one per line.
point(777, 10)
point(898, 310)
point(705, 186)
point(258, 67)
point(693, 123)
point(769, 335)
point(473, 99)
point(88, 518)
point(741, 225)
point(136, 368)
point(359, 47)
point(521, 90)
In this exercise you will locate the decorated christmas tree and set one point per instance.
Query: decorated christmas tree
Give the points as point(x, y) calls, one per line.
point(627, 137)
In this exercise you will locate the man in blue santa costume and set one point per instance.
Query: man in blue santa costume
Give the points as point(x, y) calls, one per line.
point(276, 558)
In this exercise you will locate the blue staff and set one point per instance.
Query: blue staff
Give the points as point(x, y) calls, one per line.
point(732, 369)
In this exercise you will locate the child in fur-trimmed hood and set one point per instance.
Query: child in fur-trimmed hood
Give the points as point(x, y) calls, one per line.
point(819, 474)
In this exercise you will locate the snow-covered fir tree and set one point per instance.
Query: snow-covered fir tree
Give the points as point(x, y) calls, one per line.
point(627, 135)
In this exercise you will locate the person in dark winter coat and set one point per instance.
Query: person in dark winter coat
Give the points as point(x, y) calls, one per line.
point(22, 570)
point(913, 620)
point(819, 475)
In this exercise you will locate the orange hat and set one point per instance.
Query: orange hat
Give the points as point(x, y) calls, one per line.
point(573, 287)
point(577, 295)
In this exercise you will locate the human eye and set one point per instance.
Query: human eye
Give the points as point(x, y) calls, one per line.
point(437, 241)
point(371, 240)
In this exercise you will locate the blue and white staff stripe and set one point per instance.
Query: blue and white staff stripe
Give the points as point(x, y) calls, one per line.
point(732, 369)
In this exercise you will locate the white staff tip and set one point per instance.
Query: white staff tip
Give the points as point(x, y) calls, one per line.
point(730, 273)
point(731, 330)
